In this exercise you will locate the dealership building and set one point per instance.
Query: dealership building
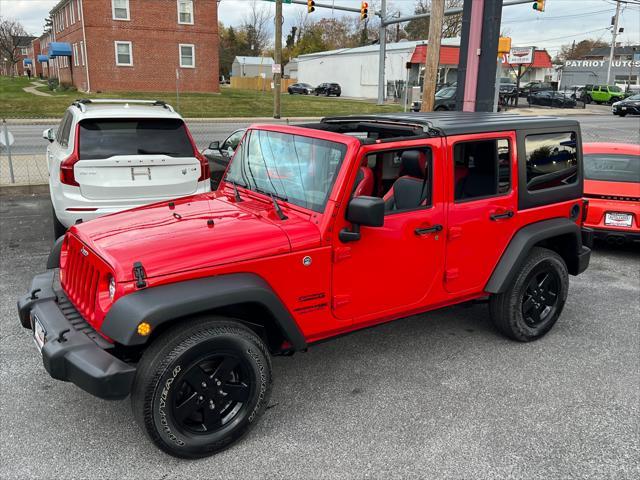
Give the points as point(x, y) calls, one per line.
point(593, 67)
point(356, 69)
point(134, 45)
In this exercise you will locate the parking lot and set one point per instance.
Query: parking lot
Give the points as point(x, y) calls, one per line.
point(438, 395)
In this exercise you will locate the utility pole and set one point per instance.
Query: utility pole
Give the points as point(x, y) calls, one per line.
point(278, 74)
point(382, 39)
point(433, 55)
point(613, 40)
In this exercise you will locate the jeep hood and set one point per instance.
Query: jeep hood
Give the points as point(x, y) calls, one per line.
point(190, 233)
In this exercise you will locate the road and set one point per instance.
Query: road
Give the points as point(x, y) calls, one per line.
point(437, 395)
point(596, 128)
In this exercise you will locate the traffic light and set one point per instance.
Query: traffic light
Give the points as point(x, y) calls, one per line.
point(539, 5)
point(364, 10)
point(311, 6)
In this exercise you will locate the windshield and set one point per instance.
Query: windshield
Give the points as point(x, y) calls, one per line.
point(614, 88)
point(446, 93)
point(505, 80)
point(297, 169)
point(634, 97)
point(610, 167)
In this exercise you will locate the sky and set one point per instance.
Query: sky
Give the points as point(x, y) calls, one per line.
point(562, 22)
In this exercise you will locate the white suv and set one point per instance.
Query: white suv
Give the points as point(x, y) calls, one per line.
point(111, 155)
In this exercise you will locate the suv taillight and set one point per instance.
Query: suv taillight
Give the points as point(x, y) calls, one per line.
point(205, 173)
point(66, 170)
point(66, 166)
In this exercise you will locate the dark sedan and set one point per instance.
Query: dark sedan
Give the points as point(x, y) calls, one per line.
point(445, 100)
point(219, 155)
point(301, 88)
point(328, 89)
point(552, 99)
point(628, 106)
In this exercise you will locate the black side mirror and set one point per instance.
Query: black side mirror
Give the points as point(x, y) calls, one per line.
point(214, 145)
point(362, 211)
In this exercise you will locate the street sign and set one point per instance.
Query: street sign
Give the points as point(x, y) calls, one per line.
point(520, 55)
point(5, 137)
point(275, 68)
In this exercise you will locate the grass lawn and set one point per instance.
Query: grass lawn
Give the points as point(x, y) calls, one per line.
point(16, 103)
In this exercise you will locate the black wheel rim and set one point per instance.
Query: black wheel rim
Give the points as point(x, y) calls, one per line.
point(211, 393)
point(541, 297)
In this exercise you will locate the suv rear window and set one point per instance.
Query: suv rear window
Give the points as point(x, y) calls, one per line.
point(609, 167)
point(102, 138)
point(552, 160)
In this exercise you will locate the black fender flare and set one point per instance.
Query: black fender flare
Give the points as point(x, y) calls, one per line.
point(158, 305)
point(524, 240)
point(53, 261)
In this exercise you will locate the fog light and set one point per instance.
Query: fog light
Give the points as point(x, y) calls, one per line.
point(112, 287)
point(144, 329)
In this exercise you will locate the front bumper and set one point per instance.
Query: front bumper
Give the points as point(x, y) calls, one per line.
point(73, 351)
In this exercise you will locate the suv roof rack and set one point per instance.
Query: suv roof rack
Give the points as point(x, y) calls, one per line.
point(81, 103)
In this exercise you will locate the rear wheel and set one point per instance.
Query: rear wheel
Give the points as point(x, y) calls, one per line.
point(58, 228)
point(588, 99)
point(534, 301)
point(200, 388)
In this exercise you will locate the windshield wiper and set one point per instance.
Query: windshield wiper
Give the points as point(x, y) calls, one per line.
point(273, 197)
point(236, 194)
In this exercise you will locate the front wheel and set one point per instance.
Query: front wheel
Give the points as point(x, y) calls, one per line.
point(532, 304)
point(200, 387)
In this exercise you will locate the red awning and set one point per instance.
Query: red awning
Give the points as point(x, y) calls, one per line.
point(448, 55)
point(451, 56)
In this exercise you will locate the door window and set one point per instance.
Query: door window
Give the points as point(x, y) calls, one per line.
point(552, 160)
point(482, 169)
point(232, 141)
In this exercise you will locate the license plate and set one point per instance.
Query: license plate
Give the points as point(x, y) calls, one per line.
point(39, 333)
point(618, 219)
point(623, 108)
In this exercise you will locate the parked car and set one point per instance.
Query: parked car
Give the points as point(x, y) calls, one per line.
point(612, 188)
point(110, 155)
point(533, 87)
point(445, 100)
point(507, 86)
point(604, 94)
point(181, 304)
point(302, 88)
point(576, 92)
point(628, 106)
point(552, 99)
point(218, 154)
point(328, 89)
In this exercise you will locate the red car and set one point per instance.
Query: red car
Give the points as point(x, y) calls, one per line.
point(612, 188)
point(315, 231)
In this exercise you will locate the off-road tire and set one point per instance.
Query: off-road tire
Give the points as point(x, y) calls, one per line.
point(58, 228)
point(507, 308)
point(167, 363)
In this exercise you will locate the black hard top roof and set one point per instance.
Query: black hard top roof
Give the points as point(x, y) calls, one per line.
point(457, 123)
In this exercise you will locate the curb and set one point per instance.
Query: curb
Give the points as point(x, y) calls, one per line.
point(13, 190)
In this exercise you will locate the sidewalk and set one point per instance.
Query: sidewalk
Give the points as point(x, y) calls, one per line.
point(33, 90)
point(27, 170)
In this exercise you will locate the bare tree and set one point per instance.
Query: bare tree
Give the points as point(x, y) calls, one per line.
point(257, 24)
point(452, 26)
point(10, 32)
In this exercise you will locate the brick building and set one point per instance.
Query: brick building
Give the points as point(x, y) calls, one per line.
point(22, 45)
point(136, 45)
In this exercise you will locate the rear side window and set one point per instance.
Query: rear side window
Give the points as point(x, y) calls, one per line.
point(552, 160)
point(482, 169)
point(102, 138)
point(610, 167)
point(64, 129)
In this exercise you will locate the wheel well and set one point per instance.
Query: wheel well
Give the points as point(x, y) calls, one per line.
point(565, 246)
point(253, 315)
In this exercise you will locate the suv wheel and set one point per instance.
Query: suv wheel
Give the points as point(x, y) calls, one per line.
point(200, 387)
point(58, 228)
point(588, 99)
point(533, 303)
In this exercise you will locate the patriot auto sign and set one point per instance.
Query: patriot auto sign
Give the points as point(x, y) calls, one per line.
point(522, 55)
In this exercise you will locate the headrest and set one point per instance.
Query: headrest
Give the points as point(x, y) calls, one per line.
point(413, 163)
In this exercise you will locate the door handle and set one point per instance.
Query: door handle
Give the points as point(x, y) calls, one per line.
point(501, 216)
point(428, 230)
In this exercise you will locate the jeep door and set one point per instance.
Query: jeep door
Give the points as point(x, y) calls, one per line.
point(392, 268)
point(482, 204)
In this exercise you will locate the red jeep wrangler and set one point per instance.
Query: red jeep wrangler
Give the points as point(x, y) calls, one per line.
point(315, 231)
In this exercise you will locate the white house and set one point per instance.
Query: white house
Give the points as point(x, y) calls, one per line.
point(251, 67)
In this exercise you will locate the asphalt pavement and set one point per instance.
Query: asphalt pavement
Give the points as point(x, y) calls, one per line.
point(437, 395)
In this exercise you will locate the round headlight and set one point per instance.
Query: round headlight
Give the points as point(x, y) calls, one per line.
point(112, 287)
